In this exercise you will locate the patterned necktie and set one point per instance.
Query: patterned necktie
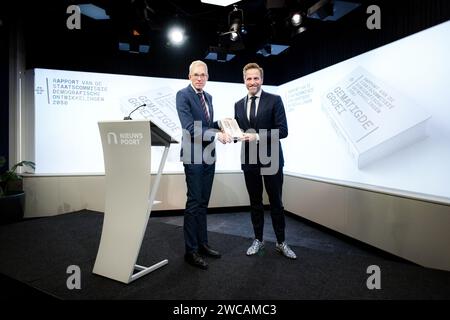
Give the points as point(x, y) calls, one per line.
point(253, 112)
point(203, 102)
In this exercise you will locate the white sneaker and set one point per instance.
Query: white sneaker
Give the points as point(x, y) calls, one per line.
point(284, 249)
point(255, 247)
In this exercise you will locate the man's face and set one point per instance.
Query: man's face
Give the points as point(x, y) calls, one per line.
point(253, 81)
point(198, 77)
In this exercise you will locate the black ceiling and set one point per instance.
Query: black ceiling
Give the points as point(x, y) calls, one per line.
point(50, 44)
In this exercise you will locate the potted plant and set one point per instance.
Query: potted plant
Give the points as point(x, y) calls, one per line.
point(12, 196)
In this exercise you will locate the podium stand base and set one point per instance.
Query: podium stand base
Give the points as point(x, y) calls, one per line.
point(145, 270)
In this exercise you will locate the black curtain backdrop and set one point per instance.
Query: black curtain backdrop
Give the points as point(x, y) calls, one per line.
point(4, 89)
point(51, 45)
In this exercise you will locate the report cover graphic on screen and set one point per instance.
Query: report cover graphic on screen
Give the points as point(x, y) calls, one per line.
point(372, 118)
point(159, 107)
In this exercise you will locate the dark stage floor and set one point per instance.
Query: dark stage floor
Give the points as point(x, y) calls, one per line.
point(35, 255)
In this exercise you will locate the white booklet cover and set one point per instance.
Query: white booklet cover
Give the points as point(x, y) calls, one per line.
point(231, 127)
point(373, 118)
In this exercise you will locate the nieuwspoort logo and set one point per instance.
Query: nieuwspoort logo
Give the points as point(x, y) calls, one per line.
point(124, 138)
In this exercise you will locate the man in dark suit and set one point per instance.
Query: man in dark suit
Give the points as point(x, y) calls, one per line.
point(261, 115)
point(195, 110)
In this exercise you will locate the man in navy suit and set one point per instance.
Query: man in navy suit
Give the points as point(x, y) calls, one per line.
point(195, 110)
point(261, 115)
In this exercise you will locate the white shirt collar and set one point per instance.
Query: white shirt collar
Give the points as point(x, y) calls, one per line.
point(258, 95)
point(195, 90)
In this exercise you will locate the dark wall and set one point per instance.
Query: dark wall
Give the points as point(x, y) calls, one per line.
point(4, 90)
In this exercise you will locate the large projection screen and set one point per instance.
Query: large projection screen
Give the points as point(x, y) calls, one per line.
point(69, 104)
point(379, 121)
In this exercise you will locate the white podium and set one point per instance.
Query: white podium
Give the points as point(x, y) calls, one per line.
point(128, 196)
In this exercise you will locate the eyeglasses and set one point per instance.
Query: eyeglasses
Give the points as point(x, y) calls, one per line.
point(202, 75)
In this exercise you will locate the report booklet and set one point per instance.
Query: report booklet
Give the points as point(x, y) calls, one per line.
point(231, 127)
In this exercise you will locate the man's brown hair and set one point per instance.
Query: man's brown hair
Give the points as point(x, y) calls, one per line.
point(253, 65)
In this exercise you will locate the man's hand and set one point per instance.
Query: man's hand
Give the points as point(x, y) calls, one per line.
point(249, 137)
point(224, 137)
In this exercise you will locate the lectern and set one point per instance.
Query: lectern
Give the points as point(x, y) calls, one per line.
point(129, 195)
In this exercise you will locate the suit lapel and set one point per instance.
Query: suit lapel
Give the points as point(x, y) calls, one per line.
point(195, 97)
point(210, 109)
point(261, 107)
point(199, 104)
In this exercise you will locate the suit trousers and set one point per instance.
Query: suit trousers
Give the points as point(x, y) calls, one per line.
point(274, 186)
point(199, 180)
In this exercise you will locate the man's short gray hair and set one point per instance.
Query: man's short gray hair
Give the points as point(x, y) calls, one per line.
point(195, 63)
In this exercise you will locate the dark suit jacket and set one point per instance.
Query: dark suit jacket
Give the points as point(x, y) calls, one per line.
point(270, 115)
point(189, 109)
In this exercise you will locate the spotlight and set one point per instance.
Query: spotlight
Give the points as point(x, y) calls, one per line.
point(296, 19)
point(296, 22)
point(176, 36)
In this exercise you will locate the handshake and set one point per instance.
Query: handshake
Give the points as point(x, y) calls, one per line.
point(230, 132)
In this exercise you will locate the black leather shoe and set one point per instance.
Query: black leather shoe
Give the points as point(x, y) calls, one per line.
point(208, 251)
point(196, 260)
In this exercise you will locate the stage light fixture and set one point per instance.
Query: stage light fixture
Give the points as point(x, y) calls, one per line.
point(176, 36)
point(243, 30)
point(234, 30)
point(299, 30)
point(296, 19)
point(236, 24)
